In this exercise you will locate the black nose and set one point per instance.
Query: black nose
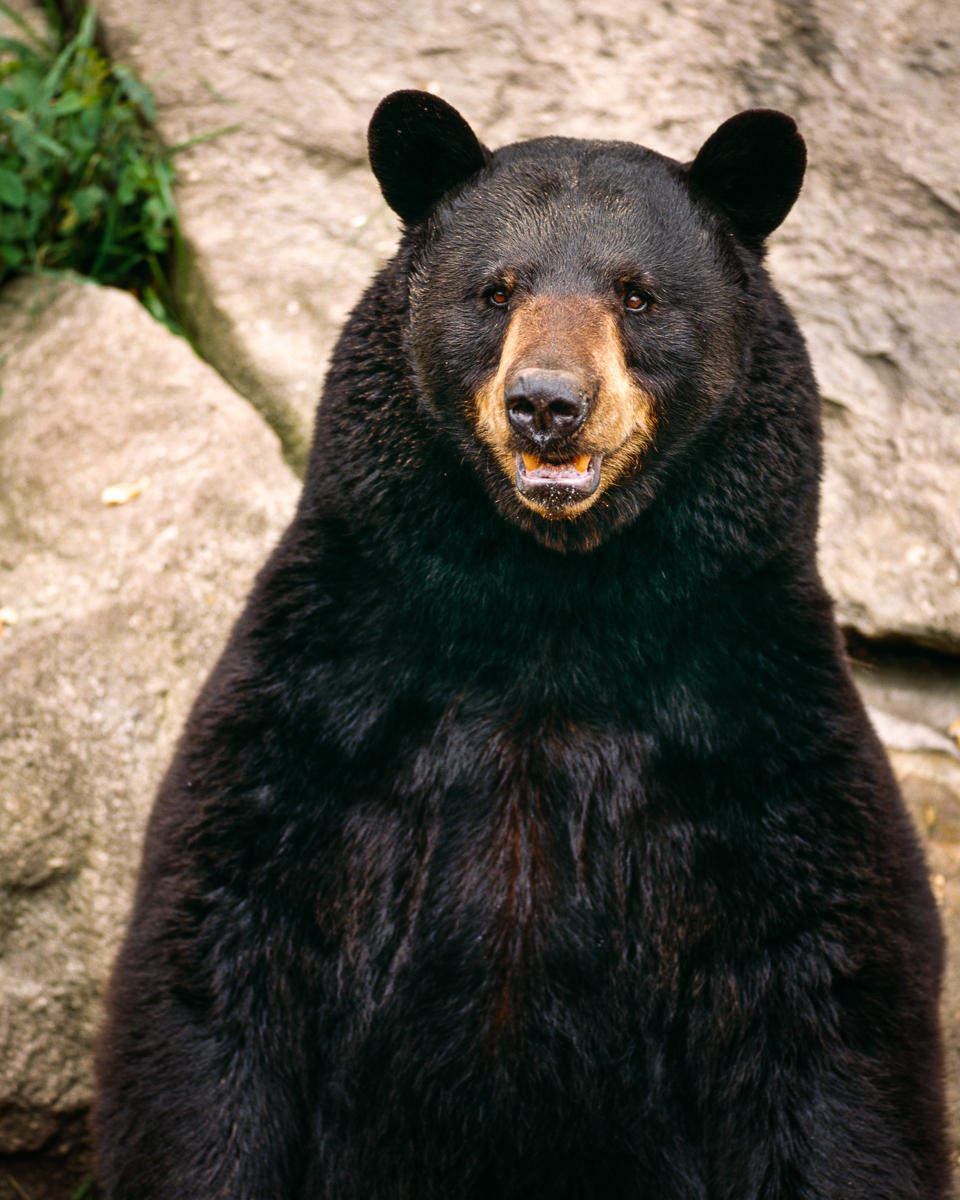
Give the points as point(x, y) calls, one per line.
point(545, 406)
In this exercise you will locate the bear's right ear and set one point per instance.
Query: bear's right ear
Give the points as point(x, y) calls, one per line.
point(752, 168)
point(420, 148)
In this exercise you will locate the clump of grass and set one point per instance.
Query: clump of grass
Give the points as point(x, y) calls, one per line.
point(85, 184)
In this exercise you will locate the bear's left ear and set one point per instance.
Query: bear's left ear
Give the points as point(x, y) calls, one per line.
point(752, 168)
point(420, 148)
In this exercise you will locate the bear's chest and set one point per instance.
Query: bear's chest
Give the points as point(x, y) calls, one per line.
point(503, 883)
point(524, 925)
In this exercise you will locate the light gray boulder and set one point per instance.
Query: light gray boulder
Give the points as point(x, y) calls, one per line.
point(111, 615)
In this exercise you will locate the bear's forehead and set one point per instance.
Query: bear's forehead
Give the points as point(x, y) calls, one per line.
point(558, 200)
point(568, 178)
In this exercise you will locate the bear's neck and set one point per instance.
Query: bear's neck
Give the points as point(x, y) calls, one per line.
point(475, 604)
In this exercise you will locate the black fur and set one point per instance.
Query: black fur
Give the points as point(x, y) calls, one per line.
point(420, 149)
point(752, 168)
point(505, 857)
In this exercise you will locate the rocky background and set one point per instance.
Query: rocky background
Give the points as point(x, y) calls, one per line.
point(141, 487)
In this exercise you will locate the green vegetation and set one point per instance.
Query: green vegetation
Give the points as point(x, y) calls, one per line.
point(85, 184)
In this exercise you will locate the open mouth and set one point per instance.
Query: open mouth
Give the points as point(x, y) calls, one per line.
point(580, 475)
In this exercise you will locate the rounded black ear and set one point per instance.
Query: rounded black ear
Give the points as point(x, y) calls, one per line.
point(752, 168)
point(420, 147)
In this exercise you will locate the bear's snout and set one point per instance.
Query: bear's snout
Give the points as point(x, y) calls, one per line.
point(562, 413)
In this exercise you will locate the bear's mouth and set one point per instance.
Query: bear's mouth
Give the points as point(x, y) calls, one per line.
point(579, 476)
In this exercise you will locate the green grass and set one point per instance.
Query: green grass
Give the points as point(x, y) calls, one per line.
point(86, 186)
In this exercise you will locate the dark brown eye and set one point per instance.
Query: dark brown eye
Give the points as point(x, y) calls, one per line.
point(498, 296)
point(635, 301)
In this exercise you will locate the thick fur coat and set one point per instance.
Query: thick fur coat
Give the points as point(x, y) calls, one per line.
point(529, 838)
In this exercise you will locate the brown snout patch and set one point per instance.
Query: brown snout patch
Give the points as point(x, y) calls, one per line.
point(579, 335)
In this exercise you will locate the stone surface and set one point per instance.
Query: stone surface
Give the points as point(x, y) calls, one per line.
point(931, 788)
point(285, 225)
point(110, 618)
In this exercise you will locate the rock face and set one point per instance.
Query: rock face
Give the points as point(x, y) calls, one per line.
point(111, 616)
point(284, 223)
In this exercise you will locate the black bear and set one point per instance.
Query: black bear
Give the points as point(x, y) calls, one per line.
point(530, 839)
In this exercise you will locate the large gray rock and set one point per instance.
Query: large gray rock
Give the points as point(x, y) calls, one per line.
point(110, 618)
point(120, 610)
point(285, 225)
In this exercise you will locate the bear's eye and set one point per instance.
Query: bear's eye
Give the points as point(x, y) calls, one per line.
point(634, 300)
point(498, 296)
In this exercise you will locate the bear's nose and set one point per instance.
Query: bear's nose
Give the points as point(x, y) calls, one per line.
point(545, 406)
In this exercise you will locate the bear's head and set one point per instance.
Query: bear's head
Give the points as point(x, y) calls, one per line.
point(578, 310)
